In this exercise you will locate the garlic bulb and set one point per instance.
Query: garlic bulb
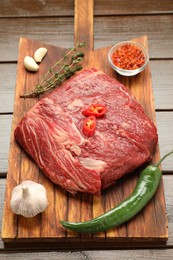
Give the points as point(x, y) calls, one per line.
point(30, 64)
point(28, 199)
point(39, 54)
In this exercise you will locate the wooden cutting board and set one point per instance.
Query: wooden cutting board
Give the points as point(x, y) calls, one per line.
point(147, 228)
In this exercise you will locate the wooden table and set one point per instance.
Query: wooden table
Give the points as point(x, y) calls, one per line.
point(114, 21)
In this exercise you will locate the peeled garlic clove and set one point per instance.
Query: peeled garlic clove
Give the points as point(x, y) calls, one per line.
point(39, 54)
point(28, 199)
point(30, 64)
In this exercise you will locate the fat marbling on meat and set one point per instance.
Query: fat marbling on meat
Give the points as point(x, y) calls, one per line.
point(51, 133)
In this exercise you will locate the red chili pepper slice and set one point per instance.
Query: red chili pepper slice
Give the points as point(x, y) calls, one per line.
point(89, 126)
point(96, 110)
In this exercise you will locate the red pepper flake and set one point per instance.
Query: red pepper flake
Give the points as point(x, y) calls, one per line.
point(96, 110)
point(128, 57)
point(89, 126)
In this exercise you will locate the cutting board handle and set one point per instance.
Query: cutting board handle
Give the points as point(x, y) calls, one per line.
point(83, 22)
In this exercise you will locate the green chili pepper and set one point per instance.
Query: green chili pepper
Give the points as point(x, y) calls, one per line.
point(145, 189)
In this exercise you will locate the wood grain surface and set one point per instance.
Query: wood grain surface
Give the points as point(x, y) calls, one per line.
point(162, 85)
point(111, 17)
point(22, 8)
point(107, 31)
point(82, 206)
point(167, 179)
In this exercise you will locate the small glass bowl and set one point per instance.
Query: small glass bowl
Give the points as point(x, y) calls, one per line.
point(126, 72)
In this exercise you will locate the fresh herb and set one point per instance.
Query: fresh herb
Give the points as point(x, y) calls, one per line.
point(63, 69)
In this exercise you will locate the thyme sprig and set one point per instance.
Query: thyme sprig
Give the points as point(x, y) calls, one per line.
point(64, 68)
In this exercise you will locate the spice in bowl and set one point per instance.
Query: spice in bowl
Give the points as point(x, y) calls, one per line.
point(128, 58)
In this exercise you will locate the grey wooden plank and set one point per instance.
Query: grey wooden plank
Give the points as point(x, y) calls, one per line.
point(24, 8)
point(7, 87)
point(5, 131)
point(45, 255)
point(154, 254)
point(59, 31)
point(113, 29)
point(119, 7)
point(165, 130)
point(162, 78)
point(17, 8)
point(167, 180)
point(164, 125)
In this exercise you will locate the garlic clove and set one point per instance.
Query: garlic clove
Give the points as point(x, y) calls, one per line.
point(28, 199)
point(30, 64)
point(39, 54)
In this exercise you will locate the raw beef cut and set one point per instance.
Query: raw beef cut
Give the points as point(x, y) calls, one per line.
point(51, 133)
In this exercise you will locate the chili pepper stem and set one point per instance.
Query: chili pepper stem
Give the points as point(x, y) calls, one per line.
point(159, 162)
